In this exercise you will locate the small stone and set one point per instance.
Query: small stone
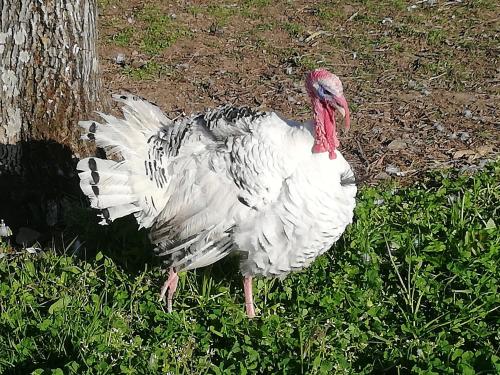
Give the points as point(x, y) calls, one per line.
point(393, 170)
point(215, 28)
point(130, 20)
point(438, 126)
point(468, 168)
point(412, 84)
point(426, 92)
point(397, 144)
point(387, 20)
point(120, 59)
point(289, 70)
point(468, 113)
point(464, 136)
point(173, 16)
point(482, 163)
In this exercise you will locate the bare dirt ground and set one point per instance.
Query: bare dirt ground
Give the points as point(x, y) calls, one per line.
point(422, 77)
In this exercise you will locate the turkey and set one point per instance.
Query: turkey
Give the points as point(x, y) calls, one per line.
point(230, 180)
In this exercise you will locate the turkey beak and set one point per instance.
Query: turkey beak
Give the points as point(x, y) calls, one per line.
point(340, 104)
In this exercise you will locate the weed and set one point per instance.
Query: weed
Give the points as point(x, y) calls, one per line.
point(328, 13)
point(161, 31)
point(293, 29)
point(399, 4)
point(307, 62)
point(435, 37)
point(257, 3)
point(151, 70)
point(123, 37)
point(266, 26)
point(153, 33)
point(221, 14)
point(105, 3)
point(482, 4)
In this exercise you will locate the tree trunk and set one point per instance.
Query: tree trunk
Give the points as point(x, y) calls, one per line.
point(48, 81)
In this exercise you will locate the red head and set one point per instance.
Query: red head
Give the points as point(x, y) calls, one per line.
point(327, 96)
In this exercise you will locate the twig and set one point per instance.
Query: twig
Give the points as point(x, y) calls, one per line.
point(436, 77)
point(362, 154)
point(352, 17)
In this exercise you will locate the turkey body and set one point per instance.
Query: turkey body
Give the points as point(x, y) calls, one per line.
point(229, 180)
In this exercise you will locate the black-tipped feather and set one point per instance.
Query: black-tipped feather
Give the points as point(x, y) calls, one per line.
point(92, 164)
point(95, 177)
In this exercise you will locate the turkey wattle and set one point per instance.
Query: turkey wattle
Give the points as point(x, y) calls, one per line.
point(228, 180)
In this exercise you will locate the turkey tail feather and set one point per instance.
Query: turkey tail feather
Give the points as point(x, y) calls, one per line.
point(119, 188)
point(105, 182)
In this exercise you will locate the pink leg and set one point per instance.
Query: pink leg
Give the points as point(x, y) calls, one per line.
point(247, 288)
point(171, 286)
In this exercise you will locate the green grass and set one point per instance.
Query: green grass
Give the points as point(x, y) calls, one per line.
point(155, 32)
point(220, 14)
point(101, 4)
point(161, 31)
point(293, 29)
point(257, 3)
point(435, 37)
point(411, 287)
point(151, 70)
point(123, 37)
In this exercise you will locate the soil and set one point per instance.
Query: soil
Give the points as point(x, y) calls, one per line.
point(422, 78)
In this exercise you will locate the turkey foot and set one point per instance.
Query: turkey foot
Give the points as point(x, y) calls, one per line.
point(171, 286)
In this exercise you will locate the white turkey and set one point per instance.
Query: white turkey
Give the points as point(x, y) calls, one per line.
point(229, 180)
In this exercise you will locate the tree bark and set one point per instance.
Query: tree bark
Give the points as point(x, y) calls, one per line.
point(48, 81)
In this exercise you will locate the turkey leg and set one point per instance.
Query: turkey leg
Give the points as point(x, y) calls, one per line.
point(247, 287)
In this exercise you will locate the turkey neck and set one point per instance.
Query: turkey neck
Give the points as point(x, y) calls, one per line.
point(325, 135)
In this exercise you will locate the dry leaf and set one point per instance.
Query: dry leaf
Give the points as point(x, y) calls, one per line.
point(484, 150)
point(460, 153)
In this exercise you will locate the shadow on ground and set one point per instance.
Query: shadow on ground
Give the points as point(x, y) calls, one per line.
point(41, 201)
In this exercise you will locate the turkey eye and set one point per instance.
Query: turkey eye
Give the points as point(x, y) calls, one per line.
point(327, 92)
